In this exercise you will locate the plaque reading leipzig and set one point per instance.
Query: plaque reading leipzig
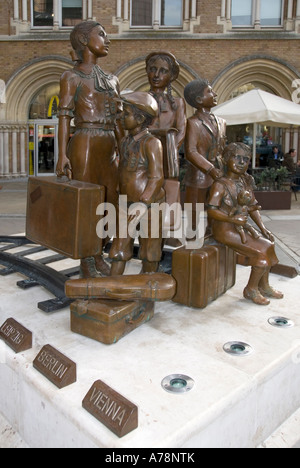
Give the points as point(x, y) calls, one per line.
point(55, 366)
point(16, 336)
point(111, 408)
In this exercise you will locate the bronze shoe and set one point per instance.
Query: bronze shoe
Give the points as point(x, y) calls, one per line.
point(271, 292)
point(102, 268)
point(87, 268)
point(255, 296)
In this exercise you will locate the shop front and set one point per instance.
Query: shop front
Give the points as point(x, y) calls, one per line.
point(42, 146)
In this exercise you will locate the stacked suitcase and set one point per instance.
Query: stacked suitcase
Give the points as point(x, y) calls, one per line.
point(106, 309)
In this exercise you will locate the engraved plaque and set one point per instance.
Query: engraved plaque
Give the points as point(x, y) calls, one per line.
point(112, 409)
point(16, 336)
point(59, 369)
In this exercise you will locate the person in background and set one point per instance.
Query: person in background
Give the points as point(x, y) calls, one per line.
point(289, 161)
point(275, 158)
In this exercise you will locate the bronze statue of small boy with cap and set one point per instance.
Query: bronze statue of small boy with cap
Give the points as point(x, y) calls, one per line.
point(141, 180)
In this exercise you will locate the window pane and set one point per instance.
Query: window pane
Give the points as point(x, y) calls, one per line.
point(141, 13)
point(171, 13)
point(271, 12)
point(42, 12)
point(241, 12)
point(71, 12)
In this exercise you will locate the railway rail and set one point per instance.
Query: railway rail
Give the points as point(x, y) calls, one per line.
point(39, 272)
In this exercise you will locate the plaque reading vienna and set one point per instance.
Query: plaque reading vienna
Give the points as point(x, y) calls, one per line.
point(16, 336)
point(59, 369)
point(111, 408)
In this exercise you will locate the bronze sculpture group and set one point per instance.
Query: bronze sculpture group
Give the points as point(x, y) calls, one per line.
point(147, 131)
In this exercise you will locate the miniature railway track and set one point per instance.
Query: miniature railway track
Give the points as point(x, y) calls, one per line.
point(39, 273)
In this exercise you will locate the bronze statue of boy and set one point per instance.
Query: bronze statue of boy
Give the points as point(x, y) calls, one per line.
point(141, 180)
point(204, 143)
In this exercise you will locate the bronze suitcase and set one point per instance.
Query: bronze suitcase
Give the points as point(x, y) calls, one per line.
point(147, 287)
point(203, 275)
point(106, 320)
point(61, 215)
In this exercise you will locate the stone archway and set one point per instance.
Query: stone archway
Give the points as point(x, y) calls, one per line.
point(133, 76)
point(22, 86)
point(27, 81)
point(268, 73)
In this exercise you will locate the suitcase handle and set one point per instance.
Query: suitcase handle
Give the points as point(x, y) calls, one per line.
point(140, 317)
point(63, 179)
point(129, 295)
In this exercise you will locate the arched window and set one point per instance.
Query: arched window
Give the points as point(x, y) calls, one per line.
point(44, 105)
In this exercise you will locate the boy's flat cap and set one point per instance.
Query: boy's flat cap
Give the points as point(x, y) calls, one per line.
point(143, 101)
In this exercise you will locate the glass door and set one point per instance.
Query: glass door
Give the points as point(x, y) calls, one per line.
point(43, 147)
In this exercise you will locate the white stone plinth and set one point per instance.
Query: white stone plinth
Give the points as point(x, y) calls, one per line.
point(236, 401)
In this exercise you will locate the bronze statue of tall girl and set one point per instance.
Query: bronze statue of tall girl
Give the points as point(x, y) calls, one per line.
point(88, 95)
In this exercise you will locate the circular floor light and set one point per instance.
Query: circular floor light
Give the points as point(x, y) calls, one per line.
point(281, 322)
point(177, 383)
point(237, 348)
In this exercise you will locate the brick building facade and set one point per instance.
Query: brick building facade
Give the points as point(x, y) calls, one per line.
point(236, 44)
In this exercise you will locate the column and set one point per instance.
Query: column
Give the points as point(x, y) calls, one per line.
point(90, 9)
point(119, 9)
point(84, 10)
point(187, 10)
point(1, 153)
point(297, 20)
point(296, 140)
point(290, 10)
point(56, 14)
point(126, 15)
point(6, 152)
point(16, 10)
point(24, 11)
point(287, 141)
point(257, 15)
point(228, 11)
point(223, 10)
point(23, 151)
point(156, 18)
point(14, 152)
point(194, 9)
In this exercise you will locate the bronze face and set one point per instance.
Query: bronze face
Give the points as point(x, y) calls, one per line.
point(209, 98)
point(159, 74)
point(98, 42)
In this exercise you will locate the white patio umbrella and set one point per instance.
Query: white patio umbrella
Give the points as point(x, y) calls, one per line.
point(259, 107)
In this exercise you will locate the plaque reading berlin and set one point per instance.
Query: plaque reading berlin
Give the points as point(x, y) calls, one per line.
point(16, 336)
point(55, 366)
point(111, 408)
